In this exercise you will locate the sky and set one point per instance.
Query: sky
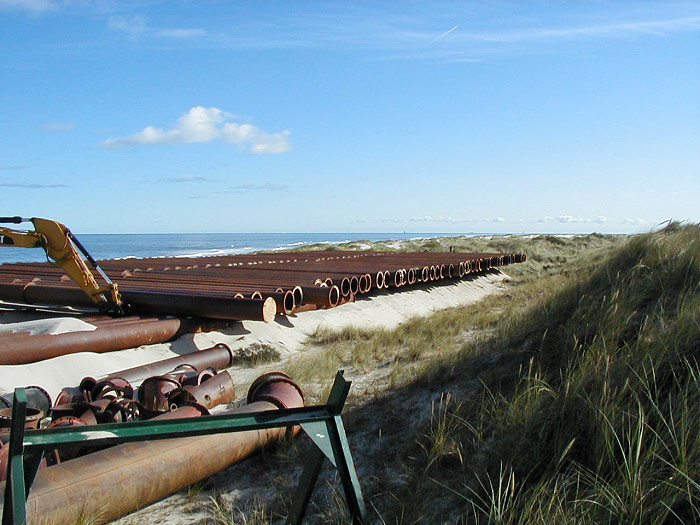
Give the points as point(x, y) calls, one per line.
point(280, 116)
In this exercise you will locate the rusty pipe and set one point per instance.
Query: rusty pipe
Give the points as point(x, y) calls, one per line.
point(116, 336)
point(217, 357)
point(112, 482)
point(167, 302)
point(215, 391)
point(321, 295)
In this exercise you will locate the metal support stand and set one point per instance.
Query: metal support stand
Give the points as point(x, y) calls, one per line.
point(322, 423)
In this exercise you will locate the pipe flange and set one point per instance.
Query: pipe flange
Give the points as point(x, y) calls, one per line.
point(261, 389)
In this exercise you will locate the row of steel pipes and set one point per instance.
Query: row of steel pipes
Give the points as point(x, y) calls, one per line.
point(107, 483)
point(248, 287)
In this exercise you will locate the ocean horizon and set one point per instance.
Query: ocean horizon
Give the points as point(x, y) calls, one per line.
point(140, 245)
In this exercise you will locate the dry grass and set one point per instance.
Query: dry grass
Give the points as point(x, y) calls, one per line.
point(572, 398)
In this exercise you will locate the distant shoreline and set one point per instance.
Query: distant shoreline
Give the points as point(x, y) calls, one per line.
point(143, 245)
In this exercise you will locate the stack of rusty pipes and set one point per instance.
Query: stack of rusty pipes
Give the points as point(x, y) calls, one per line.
point(190, 382)
point(67, 490)
point(249, 286)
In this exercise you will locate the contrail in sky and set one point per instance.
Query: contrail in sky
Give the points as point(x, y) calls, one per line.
point(442, 35)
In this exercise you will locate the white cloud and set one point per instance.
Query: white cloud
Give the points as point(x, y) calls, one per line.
point(268, 186)
point(188, 178)
point(181, 33)
point(202, 124)
point(568, 219)
point(135, 25)
point(28, 5)
point(498, 219)
point(128, 24)
point(31, 186)
point(634, 220)
point(440, 218)
point(58, 126)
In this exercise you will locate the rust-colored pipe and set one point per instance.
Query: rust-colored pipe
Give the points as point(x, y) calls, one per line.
point(217, 357)
point(33, 348)
point(164, 303)
point(215, 391)
point(112, 482)
point(321, 295)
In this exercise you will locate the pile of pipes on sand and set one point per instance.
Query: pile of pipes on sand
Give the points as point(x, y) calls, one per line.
point(247, 287)
point(103, 484)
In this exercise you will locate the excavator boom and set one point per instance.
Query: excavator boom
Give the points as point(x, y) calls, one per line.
point(64, 250)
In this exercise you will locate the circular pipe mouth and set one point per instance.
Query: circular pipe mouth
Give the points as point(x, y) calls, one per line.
point(345, 287)
point(460, 269)
point(354, 285)
point(403, 277)
point(368, 283)
point(31, 420)
point(256, 295)
point(443, 271)
point(362, 283)
point(397, 278)
point(411, 276)
point(379, 280)
point(334, 296)
point(433, 273)
point(425, 274)
point(328, 281)
point(288, 302)
point(298, 295)
point(387, 278)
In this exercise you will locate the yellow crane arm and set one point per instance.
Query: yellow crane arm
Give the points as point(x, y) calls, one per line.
point(63, 249)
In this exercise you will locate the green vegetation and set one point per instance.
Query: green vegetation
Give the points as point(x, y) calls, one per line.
point(256, 354)
point(571, 398)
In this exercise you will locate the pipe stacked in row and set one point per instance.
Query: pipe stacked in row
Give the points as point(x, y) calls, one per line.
point(248, 287)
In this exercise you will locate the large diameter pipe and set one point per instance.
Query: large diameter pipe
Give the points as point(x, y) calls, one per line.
point(110, 483)
point(151, 302)
point(33, 348)
point(321, 295)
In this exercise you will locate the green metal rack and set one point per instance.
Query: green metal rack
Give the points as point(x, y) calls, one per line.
point(322, 423)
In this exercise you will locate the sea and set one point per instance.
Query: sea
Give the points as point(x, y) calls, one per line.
point(120, 246)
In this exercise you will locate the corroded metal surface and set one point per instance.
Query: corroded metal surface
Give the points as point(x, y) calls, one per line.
point(237, 286)
point(132, 475)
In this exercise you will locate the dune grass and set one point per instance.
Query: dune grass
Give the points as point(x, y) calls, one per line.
point(573, 398)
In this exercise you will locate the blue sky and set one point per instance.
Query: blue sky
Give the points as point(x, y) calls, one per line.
point(207, 116)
